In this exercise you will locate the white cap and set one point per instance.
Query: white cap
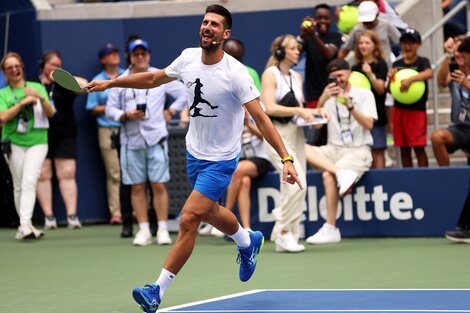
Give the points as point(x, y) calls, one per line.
point(367, 11)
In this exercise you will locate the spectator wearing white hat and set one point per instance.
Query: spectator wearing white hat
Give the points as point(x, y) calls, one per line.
point(369, 19)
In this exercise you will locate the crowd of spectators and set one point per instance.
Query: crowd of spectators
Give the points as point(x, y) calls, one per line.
point(132, 133)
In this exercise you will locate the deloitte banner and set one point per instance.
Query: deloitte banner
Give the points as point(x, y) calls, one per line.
point(388, 202)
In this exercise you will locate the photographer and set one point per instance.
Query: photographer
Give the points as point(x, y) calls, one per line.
point(24, 108)
point(347, 154)
point(454, 73)
point(144, 148)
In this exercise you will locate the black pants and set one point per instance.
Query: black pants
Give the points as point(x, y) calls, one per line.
point(464, 219)
point(8, 215)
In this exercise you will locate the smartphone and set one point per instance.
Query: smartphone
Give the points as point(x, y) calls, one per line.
point(141, 107)
point(453, 66)
point(332, 79)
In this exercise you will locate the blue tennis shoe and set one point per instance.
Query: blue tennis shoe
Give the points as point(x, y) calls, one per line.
point(247, 257)
point(148, 297)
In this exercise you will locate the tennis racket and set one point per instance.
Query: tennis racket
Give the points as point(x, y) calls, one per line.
point(66, 80)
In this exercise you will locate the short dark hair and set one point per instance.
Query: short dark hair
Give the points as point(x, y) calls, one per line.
point(220, 10)
point(464, 46)
point(238, 41)
point(337, 65)
point(321, 6)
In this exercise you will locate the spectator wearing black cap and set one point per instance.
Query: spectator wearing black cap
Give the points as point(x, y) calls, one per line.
point(108, 130)
point(409, 120)
point(347, 154)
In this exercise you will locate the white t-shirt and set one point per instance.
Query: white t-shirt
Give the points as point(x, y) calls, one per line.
point(216, 94)
point(363, 101)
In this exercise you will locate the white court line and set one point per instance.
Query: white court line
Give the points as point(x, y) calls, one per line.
point(307, 311)
point(211, 300)
point(177, 307)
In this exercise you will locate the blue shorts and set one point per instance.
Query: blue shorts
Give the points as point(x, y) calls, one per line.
point(211, 178)
point(379, 134)
point(146, 164)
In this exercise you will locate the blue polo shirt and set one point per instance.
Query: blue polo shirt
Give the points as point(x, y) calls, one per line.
point(98, 98)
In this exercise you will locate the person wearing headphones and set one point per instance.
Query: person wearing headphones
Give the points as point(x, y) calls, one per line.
point(143, 138)
point(281, 93)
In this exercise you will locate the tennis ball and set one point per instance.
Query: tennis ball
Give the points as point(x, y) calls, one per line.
point(347, 18)
point(358, 79)
point(413, 94)
point(341, 100)
point(307, 24)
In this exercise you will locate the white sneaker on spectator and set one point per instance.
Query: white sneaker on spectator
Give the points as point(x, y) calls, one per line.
point(326, 234)
point(24, 232)
point(287, 243)
point(204, 229)
point(73, 222)
point(142, 238)
point(37, 233)
point(50, 223)
point(163, 237)
point(345, 179)
point(216, 233)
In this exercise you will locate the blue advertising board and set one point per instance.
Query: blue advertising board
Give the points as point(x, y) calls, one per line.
point(388, 202)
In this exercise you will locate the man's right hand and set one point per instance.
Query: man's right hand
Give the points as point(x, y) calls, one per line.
point(134, 115)
point(97, 85)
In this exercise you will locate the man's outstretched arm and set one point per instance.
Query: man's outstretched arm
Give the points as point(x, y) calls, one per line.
point(144, 80)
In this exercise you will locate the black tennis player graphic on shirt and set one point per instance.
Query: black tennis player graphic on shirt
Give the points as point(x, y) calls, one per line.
point(199, 99)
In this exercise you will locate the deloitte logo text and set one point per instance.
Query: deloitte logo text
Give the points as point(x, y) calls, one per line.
point(360, 205)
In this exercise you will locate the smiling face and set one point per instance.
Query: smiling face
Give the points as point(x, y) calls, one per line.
point(342, 77)
point(366, 46)
point(140, 58)
point(212, 32)
point(13, 69)
point(323, 19)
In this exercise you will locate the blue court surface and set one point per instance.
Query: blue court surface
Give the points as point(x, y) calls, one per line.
point(336, 301)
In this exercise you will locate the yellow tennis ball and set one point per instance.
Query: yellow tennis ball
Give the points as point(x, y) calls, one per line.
point(359, 80)
point(307, 24)
point(347, 18)
point(413, 94)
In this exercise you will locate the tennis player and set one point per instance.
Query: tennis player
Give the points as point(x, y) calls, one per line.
point(218, 87)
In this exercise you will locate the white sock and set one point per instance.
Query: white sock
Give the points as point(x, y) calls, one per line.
point(241, 237)
point(165, 279)
point(329, 226)
point(144, 226)
point(162, 225)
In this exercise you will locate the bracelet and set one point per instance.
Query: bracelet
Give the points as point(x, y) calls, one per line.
point(288, 158)
point(351, 108)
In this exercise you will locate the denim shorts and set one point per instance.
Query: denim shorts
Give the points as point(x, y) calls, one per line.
point(210, 178)
point(146, 164)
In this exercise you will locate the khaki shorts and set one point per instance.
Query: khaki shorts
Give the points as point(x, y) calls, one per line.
point(355, 159)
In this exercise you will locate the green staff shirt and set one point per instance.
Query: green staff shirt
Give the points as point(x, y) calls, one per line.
point(8, 98)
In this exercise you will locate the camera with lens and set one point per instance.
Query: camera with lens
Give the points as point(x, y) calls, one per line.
point(114, 140)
